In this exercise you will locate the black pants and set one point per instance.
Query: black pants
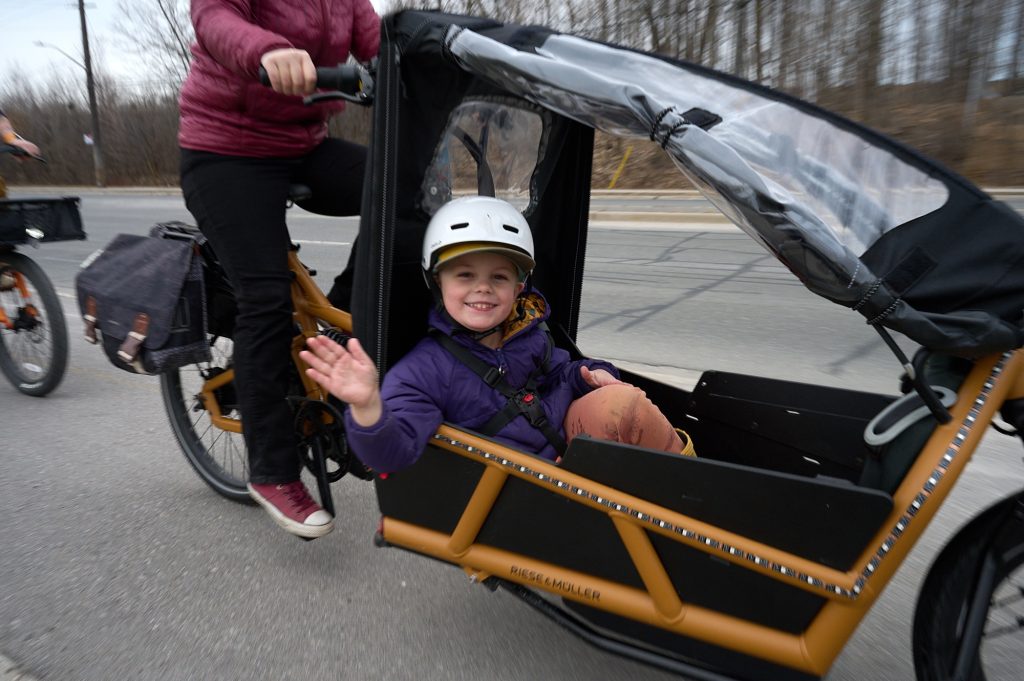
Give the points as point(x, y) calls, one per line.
point(239, 204)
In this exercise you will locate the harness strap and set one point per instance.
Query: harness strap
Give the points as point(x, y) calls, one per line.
point(524, 401)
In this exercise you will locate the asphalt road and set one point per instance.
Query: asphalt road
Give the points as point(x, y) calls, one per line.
point(117, 563)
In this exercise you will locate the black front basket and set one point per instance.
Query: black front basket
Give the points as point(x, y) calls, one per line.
point(23, 220)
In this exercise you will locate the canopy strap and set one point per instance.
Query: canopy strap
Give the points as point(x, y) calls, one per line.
point(916, 377)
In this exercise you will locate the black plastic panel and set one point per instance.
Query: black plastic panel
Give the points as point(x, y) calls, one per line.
point(821, 519)
point(534, 521)
point(786, 426)
point(526, 519)
point(432, 493)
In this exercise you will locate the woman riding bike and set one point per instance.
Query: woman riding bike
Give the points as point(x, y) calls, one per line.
point(242, 146)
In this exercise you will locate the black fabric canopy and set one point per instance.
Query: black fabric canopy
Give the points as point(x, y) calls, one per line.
point(859, 218)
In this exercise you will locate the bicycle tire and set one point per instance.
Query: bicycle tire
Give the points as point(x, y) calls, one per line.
point(219, 456)
point(33, 359)
point(945, 596)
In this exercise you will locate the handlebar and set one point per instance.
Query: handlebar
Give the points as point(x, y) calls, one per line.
point(351, 82)
point(18, 152)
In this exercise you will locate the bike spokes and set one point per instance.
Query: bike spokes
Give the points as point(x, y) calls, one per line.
point(33, 338)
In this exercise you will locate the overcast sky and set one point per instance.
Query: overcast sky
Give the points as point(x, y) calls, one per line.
point(56, 22)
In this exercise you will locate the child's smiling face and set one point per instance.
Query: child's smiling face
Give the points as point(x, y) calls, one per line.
point(478, 289)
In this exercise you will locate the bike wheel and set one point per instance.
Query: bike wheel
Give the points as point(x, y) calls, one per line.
point(219, 456)
point(34, 353)
point(939, 622)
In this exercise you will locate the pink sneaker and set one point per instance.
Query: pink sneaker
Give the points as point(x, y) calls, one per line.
point(291, 507)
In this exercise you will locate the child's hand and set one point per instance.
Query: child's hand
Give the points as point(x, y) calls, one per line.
point(349, 375)
point(597, 377)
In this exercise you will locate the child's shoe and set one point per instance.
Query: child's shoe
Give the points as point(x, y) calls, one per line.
point(291, 507)
point(688, 449)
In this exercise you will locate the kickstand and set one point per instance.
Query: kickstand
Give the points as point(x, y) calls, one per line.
point(323, 484)
point(315, 436)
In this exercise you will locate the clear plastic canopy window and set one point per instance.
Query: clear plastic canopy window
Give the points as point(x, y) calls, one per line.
point(778, 172)
point(506, 137)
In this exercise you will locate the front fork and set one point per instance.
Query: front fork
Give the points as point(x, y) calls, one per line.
point(27, 315)
point(1006, 539)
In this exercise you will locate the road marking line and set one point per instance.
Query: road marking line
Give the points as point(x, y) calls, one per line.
point(322, 243)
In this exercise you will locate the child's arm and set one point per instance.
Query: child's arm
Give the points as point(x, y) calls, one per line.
point(597, 377)
point(348, 374)
point(582, 376)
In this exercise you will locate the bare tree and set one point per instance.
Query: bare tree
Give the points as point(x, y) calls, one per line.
point(870, 58)
point(947, 74)
point(1017, 49)
point(160, 32)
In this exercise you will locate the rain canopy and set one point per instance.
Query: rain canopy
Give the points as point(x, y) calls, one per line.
point(859, 218)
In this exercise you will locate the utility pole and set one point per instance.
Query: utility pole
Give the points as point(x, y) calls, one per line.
point(97, 138)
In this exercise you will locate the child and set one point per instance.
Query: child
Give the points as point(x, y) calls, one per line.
point(477, 255)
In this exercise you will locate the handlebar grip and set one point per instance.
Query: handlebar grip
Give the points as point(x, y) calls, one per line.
point(341, 78)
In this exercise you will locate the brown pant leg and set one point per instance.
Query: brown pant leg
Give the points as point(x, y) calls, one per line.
point(621, 413)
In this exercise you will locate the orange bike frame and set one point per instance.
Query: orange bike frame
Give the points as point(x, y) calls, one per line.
point(19, 283)
point(311, 307)
point(848, 594)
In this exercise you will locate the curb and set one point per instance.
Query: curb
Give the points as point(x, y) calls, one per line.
point(653, 216)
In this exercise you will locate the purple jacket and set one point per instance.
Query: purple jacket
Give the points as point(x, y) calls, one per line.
point(430, 386)
point(225, 109)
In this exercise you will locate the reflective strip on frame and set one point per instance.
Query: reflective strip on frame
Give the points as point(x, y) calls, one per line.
point(897, 531)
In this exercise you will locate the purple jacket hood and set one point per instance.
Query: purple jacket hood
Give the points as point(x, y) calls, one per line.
point(430, 386)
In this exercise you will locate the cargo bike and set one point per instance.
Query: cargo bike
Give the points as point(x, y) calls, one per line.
point(758, 558)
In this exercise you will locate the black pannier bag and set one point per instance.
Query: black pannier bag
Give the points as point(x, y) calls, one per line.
point(221, 308)
point(143, 299)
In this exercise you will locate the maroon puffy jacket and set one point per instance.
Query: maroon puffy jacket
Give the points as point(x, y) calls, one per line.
point(225, 109)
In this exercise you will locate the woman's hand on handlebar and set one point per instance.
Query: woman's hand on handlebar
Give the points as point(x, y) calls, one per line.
point(21, 148)
point(291, 71)
point(350, 82)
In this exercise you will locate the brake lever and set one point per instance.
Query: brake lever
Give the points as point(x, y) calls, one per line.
point(363, 97)
point(316, 98)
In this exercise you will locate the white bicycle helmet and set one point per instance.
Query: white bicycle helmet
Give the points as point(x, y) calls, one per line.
point(473, 224)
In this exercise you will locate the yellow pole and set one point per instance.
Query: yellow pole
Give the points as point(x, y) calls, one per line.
point(622, 166)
